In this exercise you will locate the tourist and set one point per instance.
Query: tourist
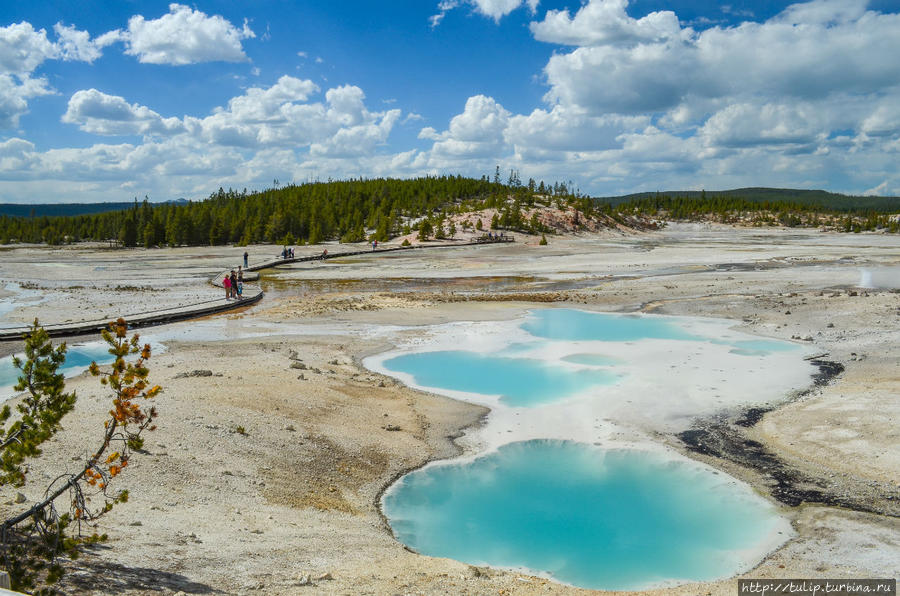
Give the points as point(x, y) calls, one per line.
point(374, 244)
point(246, 256)
point(324, 254)
point(233, 280)
point(240, 283)
point(226, 283)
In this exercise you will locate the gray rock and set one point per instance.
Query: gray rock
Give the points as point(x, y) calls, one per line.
point(194, 373)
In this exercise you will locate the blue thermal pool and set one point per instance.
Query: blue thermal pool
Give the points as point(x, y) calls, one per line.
point(520, 381)
point(522, 377)
point(601, 519)
point(78, 359)
point(616, 519)
point(573, 325)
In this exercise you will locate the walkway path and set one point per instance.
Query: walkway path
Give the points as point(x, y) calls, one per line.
point(252, 295)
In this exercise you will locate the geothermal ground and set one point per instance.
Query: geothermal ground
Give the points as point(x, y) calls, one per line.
point(291, 503)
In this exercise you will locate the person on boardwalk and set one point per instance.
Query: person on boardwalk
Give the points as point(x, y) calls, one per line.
point(240, 283)
point(246, 256)
point(226, 283)
point(233, 279)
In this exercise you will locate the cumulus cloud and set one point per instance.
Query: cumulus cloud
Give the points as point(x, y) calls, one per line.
point(278, 130)
point(567, 129)
point(281, 116)
point(807, 98)
point(98, 113)
point(185, 36)
point(628, 65)
point(476, 132)
point(14, 95)
point(602, 22)
point(23, 49)
point(495, 9)
point(746, 124)
point(823, 12)
point(78, 45)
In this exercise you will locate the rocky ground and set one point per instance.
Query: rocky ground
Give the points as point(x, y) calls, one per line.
point(274, 444)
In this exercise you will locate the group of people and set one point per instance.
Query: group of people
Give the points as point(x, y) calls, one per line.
point(234, 284)
point(287, 253)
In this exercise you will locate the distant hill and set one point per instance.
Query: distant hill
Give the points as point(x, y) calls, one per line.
point(66, 209)
point(808, 198)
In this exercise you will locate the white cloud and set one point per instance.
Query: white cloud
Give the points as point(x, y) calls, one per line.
point(77, 45)
point(476, 132)
point(98, 113)
point(823, 12)
point(357, 140)
point(23, 49)
point(602, 22)
point(877, 191)
point(495, 9)
point(649, 71)
point(746, 124)
point(185, 36)
point(806, 99)
point(265, 132)
point(14, 95)
point(566, 129)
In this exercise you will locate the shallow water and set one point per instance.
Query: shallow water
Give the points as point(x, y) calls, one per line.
point(575, 325)
point(602, 519)
point(562, 491)
point(542, 367)
point(78, 358)
point(519, 381)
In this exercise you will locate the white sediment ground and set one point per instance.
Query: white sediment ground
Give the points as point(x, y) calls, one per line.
point(294, 497)
point(665, 385)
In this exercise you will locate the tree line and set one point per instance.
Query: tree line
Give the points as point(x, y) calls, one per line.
point(852, 214)
point(349, 211)
point(380, 209)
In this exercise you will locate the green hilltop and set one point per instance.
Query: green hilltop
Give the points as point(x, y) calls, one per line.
point(774, 198)
point(383, 208)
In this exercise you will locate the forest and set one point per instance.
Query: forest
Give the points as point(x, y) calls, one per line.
point(380, 209)
point(765, 206)
point(349, 211)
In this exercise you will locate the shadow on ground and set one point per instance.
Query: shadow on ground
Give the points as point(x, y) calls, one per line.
point(114, 578)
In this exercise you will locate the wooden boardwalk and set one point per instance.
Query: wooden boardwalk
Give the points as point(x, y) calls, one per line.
point(252, 294)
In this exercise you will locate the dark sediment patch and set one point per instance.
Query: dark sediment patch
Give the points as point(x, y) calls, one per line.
point(724, 438)
point(827, 371)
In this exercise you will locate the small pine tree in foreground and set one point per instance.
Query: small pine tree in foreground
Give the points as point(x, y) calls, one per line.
point(543, 241)
point(33, 541)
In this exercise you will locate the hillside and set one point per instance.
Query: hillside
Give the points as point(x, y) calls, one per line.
point(344, 210)
point(59, 209)
point(820, 199)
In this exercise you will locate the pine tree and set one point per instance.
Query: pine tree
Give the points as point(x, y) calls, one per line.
point(32, 541)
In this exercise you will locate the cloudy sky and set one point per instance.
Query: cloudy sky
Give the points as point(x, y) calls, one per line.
point(105, 101)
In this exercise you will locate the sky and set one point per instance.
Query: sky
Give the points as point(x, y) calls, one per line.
point(107, 101)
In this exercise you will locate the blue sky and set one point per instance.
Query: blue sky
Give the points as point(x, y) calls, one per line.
point(105, 101)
